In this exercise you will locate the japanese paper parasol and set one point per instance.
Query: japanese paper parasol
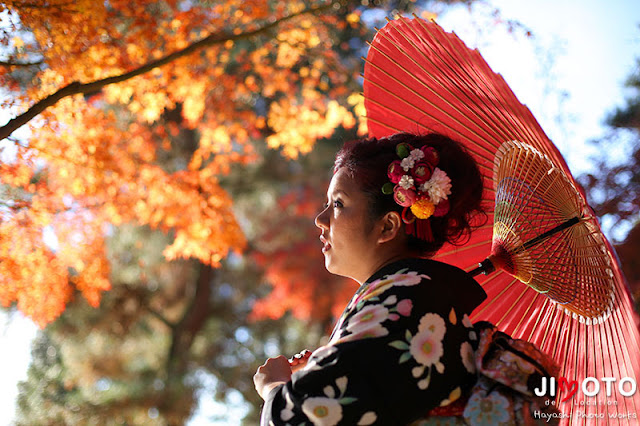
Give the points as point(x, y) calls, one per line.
point(557, 282)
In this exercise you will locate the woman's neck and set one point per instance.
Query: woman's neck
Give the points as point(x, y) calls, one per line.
point(384, 260)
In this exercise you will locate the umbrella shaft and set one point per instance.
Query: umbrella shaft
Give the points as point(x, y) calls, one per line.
point(532, 242)
point(487, 266)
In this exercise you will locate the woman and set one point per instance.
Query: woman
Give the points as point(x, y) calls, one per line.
point(404, 345)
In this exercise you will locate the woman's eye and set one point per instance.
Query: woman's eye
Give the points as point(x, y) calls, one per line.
point(334, 204)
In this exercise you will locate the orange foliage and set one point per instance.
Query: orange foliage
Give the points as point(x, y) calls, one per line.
point(94, 161)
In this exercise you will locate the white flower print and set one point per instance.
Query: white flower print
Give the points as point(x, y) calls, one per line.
point(318, 356)
point(287, 412)
point(374, 330)
point(341, 382)
point(367, 418)
point(322, 411)
point(391, 300)
point(424, 383)
point(466, 353)
point(364, 324)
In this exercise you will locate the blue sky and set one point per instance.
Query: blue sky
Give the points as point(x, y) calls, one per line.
point(570, 74)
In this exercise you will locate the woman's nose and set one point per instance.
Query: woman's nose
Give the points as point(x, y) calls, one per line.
point(322, 219)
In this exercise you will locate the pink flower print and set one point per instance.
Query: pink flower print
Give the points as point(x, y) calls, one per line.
point(369, 316)
point(400, 278)
point(426, 345)
point(407, 279)
point(364, 324)
point(404, 307)
point(426, 348)
point(432, 323)
point(373, 330)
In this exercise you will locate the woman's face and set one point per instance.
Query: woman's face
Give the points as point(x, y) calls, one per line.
point(348, 237)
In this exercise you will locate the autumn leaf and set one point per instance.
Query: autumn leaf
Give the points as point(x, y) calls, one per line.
point(152, 146)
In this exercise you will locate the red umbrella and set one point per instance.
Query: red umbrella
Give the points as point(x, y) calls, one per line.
point(557, 282)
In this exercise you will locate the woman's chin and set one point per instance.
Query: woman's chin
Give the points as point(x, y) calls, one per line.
point(330, 265)
point(336, 269)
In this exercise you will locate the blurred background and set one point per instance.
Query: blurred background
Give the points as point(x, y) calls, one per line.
point(156, 221)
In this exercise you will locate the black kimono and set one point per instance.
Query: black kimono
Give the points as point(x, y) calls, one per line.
point(403, 346)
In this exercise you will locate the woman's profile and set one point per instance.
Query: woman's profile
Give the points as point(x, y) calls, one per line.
point(404, 346)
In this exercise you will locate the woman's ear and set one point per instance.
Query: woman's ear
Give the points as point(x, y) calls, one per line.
point(391, 224)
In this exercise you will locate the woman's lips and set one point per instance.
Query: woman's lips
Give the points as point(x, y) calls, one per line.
point(326, 246)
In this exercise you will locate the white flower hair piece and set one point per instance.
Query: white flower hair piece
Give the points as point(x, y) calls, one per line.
point(438, 187)
point(416, 154)
point(407, 163)
point(406, 182)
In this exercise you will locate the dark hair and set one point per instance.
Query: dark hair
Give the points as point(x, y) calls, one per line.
point(367, 161)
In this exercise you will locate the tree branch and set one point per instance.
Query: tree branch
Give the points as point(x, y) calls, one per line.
point(160, 317)
point(20, 64)
point(26, 5)
point(194, 317)
point(76, 87)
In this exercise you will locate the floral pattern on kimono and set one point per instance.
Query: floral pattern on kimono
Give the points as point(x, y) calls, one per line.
point(403, 345)
point(508, 369)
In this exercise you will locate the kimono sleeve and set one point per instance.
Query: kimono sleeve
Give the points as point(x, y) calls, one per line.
point(398, 351)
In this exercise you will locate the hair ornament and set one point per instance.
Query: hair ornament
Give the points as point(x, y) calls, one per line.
point(418, 186)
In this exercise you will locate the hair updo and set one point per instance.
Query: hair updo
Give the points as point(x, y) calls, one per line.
point(367, 160)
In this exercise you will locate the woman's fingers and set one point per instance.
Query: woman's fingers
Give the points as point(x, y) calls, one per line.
point(272, 373)
point(300, 357)
point(299, 360)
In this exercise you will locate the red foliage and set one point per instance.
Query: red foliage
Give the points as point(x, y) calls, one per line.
point(291, 254)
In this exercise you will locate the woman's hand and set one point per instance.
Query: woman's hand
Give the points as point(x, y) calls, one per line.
point(274, 372)
point(299, 360)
